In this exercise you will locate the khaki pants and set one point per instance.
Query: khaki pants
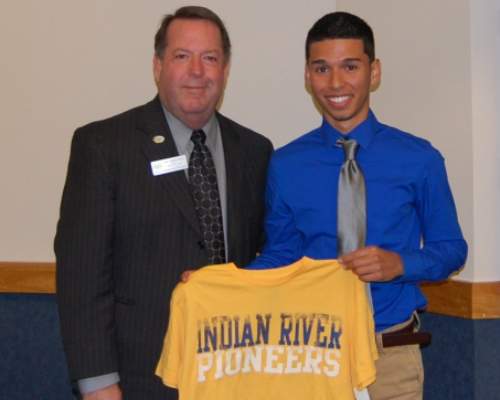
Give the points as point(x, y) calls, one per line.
point(400, 373)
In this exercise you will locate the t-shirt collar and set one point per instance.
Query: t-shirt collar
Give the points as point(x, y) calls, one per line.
point(363, 133)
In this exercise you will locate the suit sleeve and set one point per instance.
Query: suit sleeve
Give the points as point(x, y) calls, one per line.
point(170, 363)
point(83, 247)
point(268, 154)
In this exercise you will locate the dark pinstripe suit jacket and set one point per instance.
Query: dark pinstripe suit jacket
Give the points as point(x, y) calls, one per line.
point(125, 236)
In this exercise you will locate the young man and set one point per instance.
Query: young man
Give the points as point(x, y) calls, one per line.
point(165, 186)
point(408, 229)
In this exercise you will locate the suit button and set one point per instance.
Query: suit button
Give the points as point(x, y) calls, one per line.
point(201, 245)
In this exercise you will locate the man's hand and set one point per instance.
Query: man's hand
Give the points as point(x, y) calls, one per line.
point(112, 392)
point(185, 275)
point(373, 264)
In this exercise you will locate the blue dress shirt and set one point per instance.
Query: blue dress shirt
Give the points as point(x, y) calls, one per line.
point(410, 209)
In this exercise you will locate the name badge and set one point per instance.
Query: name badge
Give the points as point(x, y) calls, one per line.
point(168, 165)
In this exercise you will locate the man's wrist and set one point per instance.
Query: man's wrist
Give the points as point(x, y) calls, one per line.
point(412, 266)
point(94, 383)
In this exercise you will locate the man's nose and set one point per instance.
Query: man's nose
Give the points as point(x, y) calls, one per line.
point(336, 80)
point(196, 66)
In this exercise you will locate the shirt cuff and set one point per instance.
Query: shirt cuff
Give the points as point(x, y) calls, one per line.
point(94, 383)
point(412, 265)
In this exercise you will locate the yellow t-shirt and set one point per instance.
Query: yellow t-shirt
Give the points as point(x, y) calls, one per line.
point(304, 331)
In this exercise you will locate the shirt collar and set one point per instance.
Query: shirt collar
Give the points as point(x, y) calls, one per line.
point(363, 133)
point(182, 133)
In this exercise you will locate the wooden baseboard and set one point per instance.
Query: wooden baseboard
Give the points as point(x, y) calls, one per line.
point(26, 277)
point(472, 300)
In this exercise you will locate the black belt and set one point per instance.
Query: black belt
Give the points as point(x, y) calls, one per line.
point(406, 336)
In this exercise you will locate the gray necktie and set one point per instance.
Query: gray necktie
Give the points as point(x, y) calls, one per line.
point(351, 202)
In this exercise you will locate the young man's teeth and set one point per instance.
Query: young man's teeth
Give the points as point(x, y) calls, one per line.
point(338, 99)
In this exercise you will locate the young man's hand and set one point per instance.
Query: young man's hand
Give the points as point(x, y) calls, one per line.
point(373, 264)
point(112, 392)
point(185, 275)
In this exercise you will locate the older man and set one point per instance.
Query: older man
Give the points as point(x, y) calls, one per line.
point(163, 187)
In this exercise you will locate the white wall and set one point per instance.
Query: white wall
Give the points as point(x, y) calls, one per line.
point(66, 63)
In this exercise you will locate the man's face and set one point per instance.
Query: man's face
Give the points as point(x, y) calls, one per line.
point(192, 72)
point(340, 77)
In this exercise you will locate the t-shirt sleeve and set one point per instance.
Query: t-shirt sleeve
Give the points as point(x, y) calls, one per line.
point(364, 346)
point(170, 363)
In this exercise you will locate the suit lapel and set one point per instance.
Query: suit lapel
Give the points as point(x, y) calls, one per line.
point(152, 122)
point(233, 156)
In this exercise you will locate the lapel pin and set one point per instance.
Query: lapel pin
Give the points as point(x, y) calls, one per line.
point(158, 139)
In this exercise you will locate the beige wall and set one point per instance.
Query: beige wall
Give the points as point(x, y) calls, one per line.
point(441, 61)
point(65, 63)
point(425, 49)
point(485, 96)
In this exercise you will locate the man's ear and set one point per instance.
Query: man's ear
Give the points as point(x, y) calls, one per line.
point(307, 78)
point(375, 74)
point(157, 67)
point(227, 68)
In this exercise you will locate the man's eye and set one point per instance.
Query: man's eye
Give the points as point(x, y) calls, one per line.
point(321, 69)
point(180, 56)
point(211, 59)
point(351, 67)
